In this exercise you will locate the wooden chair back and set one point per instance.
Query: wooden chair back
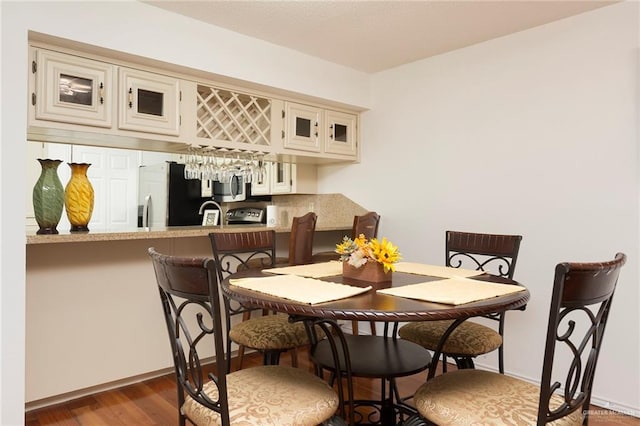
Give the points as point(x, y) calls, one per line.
point(366, 224)
point(492, 253)
point(582, 293)
point(301, 240)
point(235, 251)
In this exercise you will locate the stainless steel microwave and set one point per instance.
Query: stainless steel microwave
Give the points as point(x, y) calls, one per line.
point(233, 189)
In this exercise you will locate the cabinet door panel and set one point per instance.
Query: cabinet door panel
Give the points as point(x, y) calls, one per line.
point(302, 127)
point(341, 135)
point(281, 180)
point(149, 102)
point(74, 90)
point(261, 183)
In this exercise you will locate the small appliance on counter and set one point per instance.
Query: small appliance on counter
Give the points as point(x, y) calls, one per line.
point(246, 216)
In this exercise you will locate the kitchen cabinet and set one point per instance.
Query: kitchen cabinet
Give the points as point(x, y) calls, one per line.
point(85, 98)
point(315, 129)
point(148, 102)
point(79, 91)
point(71, 89)
point(286, 178)
point(341, 133)
point(302, 127)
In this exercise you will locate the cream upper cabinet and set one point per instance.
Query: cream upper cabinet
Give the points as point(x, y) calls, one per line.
point(79, 91)
point(83, 98)
point(310, 128)
point(282, 178)
point(302, 127)
point(70, 89)
point(148, 102)
point(286, 178)
point(340, 133)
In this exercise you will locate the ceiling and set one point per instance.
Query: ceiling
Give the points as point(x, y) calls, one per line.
point(372, 36)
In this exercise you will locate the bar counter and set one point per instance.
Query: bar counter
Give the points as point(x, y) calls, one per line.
point(160, 233)
point(335, 213)
point(93, 316)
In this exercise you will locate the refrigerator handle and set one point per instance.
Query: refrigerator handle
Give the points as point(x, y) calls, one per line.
point(145, 212)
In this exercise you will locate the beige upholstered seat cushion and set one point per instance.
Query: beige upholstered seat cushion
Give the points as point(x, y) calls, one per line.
point(468, 339)
point(269, 332)
point(476, 397)
point(269, 395)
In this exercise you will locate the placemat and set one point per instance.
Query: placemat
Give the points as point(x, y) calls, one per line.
point(299, 289)
point(452, 291)
point(312, 270)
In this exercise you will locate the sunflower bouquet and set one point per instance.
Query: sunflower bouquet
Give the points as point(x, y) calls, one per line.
point(360, 251)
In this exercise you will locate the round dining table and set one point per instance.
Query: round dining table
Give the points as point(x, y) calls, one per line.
point(379, 307)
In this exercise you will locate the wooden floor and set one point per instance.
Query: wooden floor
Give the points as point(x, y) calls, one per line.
point(153, 402)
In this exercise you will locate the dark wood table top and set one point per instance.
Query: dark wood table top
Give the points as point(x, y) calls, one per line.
point(371, 306)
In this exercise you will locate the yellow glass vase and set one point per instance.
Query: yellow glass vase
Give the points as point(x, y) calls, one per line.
point(78, 198)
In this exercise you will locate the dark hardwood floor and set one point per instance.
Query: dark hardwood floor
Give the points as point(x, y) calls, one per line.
point(153, 402)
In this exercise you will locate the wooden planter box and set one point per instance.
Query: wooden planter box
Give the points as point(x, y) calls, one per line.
point(370, 271)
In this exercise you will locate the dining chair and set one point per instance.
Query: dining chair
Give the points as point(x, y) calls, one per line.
point(367, 225)
point(209, 394)
point(492, 253)
point(301, 240)
point(269, 333)
point(580, 306)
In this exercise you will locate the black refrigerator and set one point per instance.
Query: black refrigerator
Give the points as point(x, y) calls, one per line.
point(166, 198)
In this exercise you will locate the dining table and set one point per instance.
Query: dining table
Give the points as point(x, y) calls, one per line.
point(414, 292)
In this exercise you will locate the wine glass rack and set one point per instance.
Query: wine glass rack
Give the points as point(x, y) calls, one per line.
point(223, 115)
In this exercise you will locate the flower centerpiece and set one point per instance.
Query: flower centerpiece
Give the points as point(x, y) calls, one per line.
point(367, 260)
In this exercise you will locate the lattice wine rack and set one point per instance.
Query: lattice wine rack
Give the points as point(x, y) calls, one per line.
point(224, 115)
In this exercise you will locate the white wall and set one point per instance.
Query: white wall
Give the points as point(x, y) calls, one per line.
point(535, 134)
point(134, 28)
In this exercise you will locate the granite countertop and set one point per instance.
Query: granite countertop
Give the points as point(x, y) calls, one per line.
point(335, 213)
point(155, 233)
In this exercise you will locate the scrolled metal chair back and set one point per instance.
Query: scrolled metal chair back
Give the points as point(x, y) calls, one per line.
point(191, 304)
point(492, 253)
point(235, 251)
point(582, 293)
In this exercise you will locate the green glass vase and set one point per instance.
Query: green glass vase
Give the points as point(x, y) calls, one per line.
point(78, 198)
point(48, 197)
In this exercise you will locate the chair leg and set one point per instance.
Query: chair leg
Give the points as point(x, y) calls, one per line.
point(271, 357)
point(294, 357)
point(464, 363)
point(354, 327)
point(245, 316)
point(373, 327)
point(240, 356)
